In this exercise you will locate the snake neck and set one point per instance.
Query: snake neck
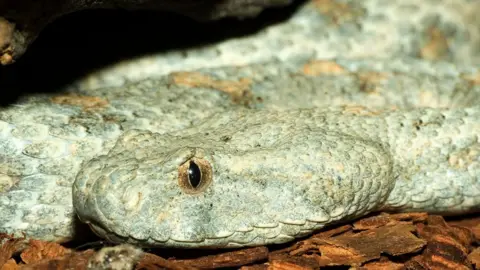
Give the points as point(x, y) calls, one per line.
point(435, 153)
point(436, 160)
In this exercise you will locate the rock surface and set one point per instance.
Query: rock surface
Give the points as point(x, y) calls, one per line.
point(21, 21)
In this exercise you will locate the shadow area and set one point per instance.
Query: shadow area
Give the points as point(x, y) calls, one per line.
point(81, 42)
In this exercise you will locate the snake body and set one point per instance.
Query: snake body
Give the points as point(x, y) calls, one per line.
point(243, 155)
point(297, 171)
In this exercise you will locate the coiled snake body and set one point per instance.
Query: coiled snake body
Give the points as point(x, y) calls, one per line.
point(238, 156)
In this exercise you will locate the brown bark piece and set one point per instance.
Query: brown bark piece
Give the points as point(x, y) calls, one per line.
point(472, 223)
point(384, 219)
point(383, 266)
point(476, 231)
point(448, 246)
point(255, 267)
point(72, 261)
point(152, 261)
point(394, 240)
point(358, 248)
point(9, 246)
point(10, 265)
point(6, 42)
point(285, 261)
point(228, 259)
point(39, 250)
point(333, 231)
point(474, 258)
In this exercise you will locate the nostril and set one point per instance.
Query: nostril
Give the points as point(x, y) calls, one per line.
point(101, 184)
point(132, 199)
point(87, 175)
point(82, 181)
point(111, 206)
point(122, 175)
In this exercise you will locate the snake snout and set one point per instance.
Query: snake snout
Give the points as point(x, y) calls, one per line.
point(99, 193)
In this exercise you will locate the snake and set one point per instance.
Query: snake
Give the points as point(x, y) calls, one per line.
point(245, 154)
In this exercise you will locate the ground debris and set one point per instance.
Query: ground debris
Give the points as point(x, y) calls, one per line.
point(381, 241)
point(229, 259)
point(71, 261)
point(354, 249)
point(39, 250)
point(235, 258)
point(9, 246)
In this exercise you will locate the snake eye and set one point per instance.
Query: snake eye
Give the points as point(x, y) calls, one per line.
point(195, 175)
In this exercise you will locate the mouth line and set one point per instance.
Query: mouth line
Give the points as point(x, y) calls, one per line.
point(169, 243)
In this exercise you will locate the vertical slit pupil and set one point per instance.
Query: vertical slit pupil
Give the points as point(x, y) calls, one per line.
point(194, 174)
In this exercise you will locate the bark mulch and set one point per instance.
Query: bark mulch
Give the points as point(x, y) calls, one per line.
point(382, 241)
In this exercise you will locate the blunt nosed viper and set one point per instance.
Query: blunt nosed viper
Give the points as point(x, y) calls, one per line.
point(249, 154)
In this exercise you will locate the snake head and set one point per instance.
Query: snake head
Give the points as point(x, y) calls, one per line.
point(228, 187)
